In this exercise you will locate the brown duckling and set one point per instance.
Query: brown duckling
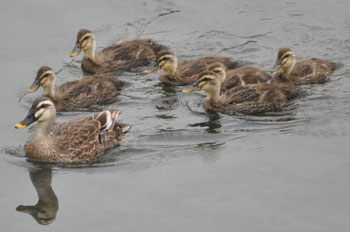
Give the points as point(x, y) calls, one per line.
point(119, 57)
point(313, 71)
point(238, 77)
point(81, 140)
point(249, 99)
point(186, 72)
point(89, 90)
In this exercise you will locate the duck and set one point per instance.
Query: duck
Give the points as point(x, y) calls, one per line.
point(186, 72)
point(118, 57)
point(312, 71)
point(79, 141)
point(241, 76)
point(89, 90)
point(248, 99)
point(45, 210)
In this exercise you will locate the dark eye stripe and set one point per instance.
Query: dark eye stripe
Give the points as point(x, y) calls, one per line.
point(204, 79)
point(164, 58)
point(87, 37)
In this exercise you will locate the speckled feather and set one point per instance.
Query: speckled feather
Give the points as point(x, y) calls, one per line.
point(187, 71)
point(76, 141)
point(123, 57)
point(89, 90)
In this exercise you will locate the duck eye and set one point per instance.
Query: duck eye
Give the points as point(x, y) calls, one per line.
point(216, 70)
point(46, 75)
point(86, 38)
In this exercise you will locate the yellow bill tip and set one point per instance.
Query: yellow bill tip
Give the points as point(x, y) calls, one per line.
point(31, 90)
point(191, 90)
point(19, 125)
point(148, 71)
point(186, 91)
point(73, 54)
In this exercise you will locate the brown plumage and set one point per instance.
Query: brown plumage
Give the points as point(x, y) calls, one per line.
point(238, 77)
point(248, 99)
point(45, 210)
point(186, 72)
point(89, 90)
point(80, 140)
point(313, 71)
point(120, 57)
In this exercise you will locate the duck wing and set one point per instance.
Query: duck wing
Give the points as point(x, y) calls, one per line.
point(81, 140)
point(88, 91)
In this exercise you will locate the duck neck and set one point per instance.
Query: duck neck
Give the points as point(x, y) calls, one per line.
point(43, 127)
point(90, 53)
point(213, 95)
point(49, 91)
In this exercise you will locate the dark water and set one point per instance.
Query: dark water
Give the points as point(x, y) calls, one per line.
point(182, 169)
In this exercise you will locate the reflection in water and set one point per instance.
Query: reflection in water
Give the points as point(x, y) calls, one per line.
point(212, 125)
point(44, 212)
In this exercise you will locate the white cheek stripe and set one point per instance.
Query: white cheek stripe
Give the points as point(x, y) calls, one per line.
point(39, 113)
point(46, 102)
point(47, 72)
point(109, 120)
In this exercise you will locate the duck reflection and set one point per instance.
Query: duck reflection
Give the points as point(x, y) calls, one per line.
point(44, 212)
point(212, 125)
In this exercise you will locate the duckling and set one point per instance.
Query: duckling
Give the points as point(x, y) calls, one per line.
point(95, 89)
point(249, 99)
point(119, 57)
point(313, 71)
point(241, 76)
point(186, 72)
point(250, 76)
point(44, 212)
point(77, 141)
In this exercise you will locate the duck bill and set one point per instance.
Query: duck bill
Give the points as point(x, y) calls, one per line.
point(191, 90)
point(29, 119)
point(276, 66)
point(151, 71)
point(34, 87)
point(76, 50)
point(24, 209)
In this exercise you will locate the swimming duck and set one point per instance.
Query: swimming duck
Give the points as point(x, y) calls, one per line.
point(241, 76)
point(186, 72)
point(119, 57)
point(44, 212)
point(81, 140)
point(313, 71)
point(95, 89)
point(249, 99)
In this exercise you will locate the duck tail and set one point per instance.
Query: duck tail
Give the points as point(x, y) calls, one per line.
point(156, 47)
point(336, 65)
point(231, 64)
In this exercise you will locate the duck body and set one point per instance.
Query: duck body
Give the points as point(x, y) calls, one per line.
point(120, 57)
point(186, 72)
point(89, 90)
point(244, 76)
point(313, 71)
point(241, 76)
point(248, 99)
point(77, 141)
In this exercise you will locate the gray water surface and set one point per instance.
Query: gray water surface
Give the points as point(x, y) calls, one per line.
point(181, 168)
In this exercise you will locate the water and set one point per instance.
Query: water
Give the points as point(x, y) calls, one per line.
point(182, 169)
